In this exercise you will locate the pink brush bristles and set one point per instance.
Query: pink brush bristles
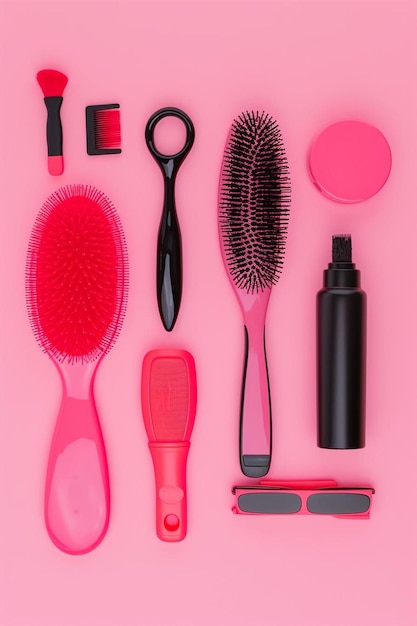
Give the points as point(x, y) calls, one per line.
point(108, 135)
point(51, 82)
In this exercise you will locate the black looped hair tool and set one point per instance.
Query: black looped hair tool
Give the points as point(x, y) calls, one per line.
point(169, 253)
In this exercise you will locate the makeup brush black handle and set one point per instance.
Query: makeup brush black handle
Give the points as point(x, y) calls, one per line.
point(169, 260)
point(53, 125)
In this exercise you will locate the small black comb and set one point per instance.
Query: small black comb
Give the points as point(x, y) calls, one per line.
point(103, 129)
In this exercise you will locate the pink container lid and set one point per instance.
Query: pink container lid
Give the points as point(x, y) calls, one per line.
point(350, 161)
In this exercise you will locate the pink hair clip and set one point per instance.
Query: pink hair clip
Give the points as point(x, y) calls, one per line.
point(303, 497)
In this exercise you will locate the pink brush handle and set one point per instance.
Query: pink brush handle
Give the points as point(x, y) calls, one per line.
point(77, 485)
point(55, 165)
point(170, 463)
point(255, 415)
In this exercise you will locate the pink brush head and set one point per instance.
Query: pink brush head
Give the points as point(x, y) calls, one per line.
point(76, 280)
point(169, 395)
point(51, 82)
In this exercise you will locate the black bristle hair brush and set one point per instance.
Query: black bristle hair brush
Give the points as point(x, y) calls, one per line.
point(254, 204)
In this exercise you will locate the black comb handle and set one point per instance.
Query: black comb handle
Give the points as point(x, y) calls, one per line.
point(169, 249)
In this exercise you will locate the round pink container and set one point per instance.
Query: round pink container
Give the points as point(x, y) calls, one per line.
point(350, 161)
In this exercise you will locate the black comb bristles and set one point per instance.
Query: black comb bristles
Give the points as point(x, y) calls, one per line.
point(342, 249)
point(254, 201)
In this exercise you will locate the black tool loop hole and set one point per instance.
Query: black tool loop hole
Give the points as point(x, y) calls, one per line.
point(150, 130)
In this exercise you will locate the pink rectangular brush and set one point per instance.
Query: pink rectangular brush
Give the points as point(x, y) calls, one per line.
point(169, 397)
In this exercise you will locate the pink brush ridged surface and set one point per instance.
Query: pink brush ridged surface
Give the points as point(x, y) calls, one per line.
point(308, 64)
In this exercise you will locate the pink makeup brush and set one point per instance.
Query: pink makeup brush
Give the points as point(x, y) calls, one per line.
point(53, 84)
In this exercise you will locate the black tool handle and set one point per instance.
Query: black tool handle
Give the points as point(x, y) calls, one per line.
point(53, 125)
point(169, 261)
point(169, 249)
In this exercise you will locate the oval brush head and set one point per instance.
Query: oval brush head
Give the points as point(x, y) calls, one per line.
point(76, 286)
point(76, 281)
point(254, 202)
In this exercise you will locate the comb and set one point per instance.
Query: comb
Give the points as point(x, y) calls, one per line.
point(103, 129)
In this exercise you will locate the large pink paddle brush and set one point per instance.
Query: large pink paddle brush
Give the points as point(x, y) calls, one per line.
point(76, 286)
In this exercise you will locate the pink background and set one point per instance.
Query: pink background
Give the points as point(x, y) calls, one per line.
point(308, 64)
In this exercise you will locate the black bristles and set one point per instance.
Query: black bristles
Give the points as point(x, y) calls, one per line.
point(342, 249)
point(254, 202)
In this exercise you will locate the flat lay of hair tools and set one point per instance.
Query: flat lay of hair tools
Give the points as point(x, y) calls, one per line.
point(169, 248)
point(303, 497)
point(53, 84)
point(341, 352)
point(253, 212)
point(349, 161)
point(103, 129)
point(239, 451)
point(76, 288)
point(169, 397)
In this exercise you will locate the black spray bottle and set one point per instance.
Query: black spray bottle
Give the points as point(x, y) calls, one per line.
point(341, 352)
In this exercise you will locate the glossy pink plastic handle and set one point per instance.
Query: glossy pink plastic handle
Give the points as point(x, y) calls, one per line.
point(255, 414)
point(77, 498)
point(170, 463)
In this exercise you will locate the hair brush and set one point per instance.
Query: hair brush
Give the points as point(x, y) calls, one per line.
point(76, 286)
point(169, 396)
point(254, 203)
